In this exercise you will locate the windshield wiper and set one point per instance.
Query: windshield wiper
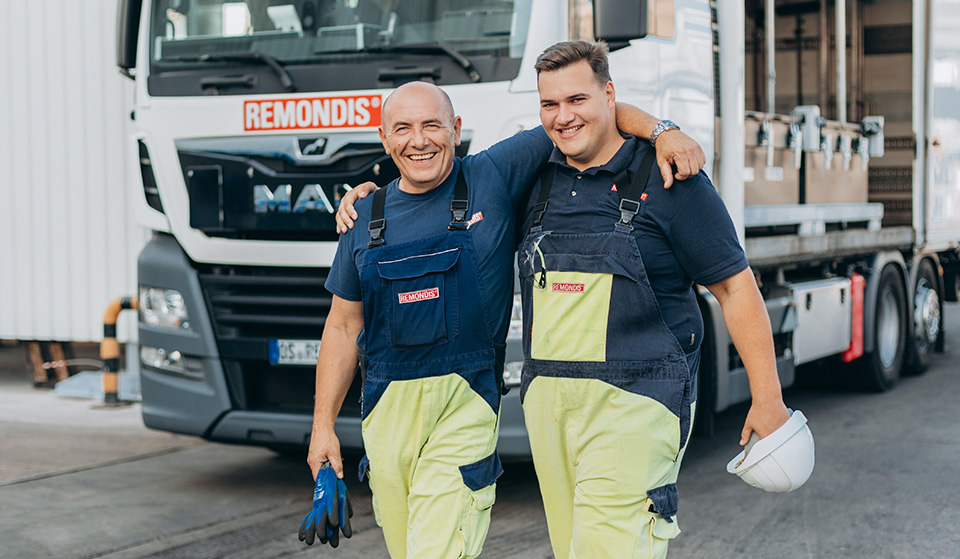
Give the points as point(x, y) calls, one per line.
point(430, 48)
point(249, 56)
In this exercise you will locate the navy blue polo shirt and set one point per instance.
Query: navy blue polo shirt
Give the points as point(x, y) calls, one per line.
point(684, 233)
point(498, 180)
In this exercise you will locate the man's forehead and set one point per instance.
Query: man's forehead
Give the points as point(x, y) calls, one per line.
point(560, 91)
point(565, 89)
point(406, 118)
point(414, 98)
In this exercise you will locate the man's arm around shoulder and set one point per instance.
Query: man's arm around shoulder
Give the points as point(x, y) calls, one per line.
point(336, 367)
point(674, 148)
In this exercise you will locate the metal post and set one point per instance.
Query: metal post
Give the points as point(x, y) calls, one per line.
point(856, 52)
point(823, 75)
point(798, 36)
point(730, 22)
point(769, 34)
point(841, 16)
point(110, 348)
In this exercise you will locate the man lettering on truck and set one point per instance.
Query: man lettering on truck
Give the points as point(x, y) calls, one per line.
point(423, 293)
point(609, 375)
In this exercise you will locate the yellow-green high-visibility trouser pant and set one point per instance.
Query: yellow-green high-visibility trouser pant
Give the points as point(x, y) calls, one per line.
point(598, 449)
point(428, 441)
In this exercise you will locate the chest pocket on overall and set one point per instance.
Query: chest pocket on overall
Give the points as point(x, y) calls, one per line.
point(421, 298)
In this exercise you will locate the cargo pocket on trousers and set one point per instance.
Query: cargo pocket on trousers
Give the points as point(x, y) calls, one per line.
point(421, 294)
point(662, 504)
point(480, 492)
point(364, 472)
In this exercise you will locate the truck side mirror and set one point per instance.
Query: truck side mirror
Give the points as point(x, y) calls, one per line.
point(128, 25)
point(619, 21)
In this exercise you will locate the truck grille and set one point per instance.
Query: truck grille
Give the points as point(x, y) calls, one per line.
point(255, 303)
point(249, 306)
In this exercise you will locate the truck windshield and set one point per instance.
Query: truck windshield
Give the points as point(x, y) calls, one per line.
point(448, 41)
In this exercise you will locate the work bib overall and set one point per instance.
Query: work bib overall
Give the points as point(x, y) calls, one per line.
point(431, 395)
point(606, 388)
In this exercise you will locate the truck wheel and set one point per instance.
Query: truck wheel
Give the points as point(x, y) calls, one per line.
point(879, 370)
point(926, 318)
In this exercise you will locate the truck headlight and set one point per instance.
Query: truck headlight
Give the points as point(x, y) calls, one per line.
point(163, 308)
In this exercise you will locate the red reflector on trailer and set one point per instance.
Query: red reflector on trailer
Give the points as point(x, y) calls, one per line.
point(855, 350)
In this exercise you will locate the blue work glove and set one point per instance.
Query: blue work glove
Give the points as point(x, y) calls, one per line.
point(331, 510)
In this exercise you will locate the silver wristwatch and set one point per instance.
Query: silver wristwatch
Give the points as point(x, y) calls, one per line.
point(661, 127)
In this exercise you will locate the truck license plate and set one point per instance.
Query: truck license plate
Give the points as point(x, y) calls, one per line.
point(294, 352)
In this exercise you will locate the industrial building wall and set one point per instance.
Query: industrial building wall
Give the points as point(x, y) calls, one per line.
point(67, 245)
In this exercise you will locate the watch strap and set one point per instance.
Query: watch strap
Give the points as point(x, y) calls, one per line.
point(661, 127)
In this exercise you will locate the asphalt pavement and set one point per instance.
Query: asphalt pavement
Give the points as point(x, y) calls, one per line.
point(78, 482)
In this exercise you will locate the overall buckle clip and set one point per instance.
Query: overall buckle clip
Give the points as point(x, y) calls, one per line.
point(376, 227)
point(459, 210)
point(628, 210)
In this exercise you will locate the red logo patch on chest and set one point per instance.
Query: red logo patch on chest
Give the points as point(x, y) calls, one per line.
point(417, 296)
point(567, 287)
point(476, 217)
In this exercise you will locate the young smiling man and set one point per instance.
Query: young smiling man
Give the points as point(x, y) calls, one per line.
point(422, 290)
point(611, 321)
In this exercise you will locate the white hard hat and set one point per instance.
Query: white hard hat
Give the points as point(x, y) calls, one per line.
point(781, 461)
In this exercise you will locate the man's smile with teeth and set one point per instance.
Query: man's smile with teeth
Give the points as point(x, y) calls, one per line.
point(422, 157)
point(571, 129)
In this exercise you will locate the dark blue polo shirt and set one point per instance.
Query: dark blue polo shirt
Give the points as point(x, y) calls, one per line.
point(498, 180)
point(684, 233)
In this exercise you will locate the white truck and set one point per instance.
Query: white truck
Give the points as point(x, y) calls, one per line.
point(254, 117)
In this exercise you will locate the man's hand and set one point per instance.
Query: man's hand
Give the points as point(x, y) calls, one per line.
point(325, 447)
point(676, 149)
point(346, 215)
point(764, 418)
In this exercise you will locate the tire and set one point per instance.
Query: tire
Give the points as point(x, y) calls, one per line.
point(926, 319)
point(880, 369)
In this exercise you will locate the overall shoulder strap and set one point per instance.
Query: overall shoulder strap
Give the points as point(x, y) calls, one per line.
point(460, 204)
point(632, 193)
point(546, 183)
point(377, 223)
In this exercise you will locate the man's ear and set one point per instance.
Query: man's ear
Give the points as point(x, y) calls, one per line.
point(457, 124)
point(611, 94)
point(383, 139)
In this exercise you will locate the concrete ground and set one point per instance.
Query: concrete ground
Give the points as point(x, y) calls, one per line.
point(80, 482)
